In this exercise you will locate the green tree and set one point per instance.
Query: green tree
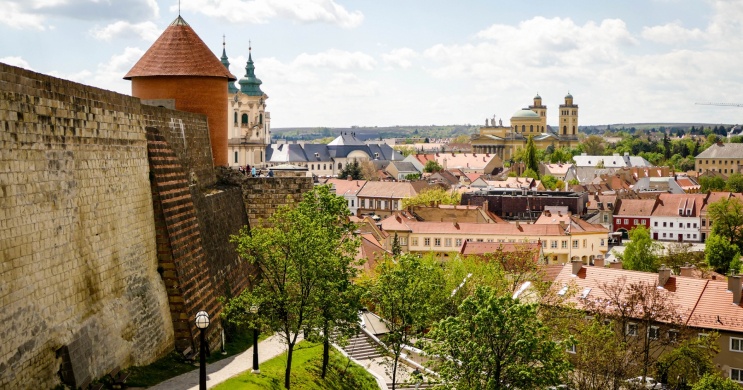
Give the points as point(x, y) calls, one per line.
point(726, 218)
point(352, 169)
point(435, 195)
point(593, 145)
point(719, 252)
point(432, 166)
point(409, 295)
point(304, 255)
point(497, 342)
point(549, 182)
point(531, 174)
point(600, 356)
point(530, 158)
point(405, 150)
point(734, 183)
point(711, 183)
point(688, 361)
point(396, 249)
point(713, 381)
point(641, 254)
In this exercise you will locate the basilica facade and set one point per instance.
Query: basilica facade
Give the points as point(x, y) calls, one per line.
point(504, 141)
point(248, 122)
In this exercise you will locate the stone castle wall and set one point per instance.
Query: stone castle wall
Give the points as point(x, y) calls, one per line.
point(114, 230)
point(79, 286)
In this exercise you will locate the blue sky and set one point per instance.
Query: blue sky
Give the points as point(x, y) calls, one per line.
point(416, 62)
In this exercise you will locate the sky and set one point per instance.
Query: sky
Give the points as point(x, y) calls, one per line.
point(340, 63)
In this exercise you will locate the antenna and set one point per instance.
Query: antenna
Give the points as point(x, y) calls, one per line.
point(179, 7)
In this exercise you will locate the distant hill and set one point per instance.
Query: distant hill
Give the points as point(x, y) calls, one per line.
point(448, 131)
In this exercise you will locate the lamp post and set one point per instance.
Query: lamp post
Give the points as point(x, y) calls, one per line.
point(202, 322)
point(254, 311)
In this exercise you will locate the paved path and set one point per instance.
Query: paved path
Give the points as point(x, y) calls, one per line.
point(224, 369)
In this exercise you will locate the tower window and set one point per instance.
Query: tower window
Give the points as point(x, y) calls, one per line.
point(244, 120)
point(260, 118)
point(235, 156)
point(564, 129)
point(573, 130)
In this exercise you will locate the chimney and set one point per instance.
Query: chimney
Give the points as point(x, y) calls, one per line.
point(397, 218)
point(599, 262)
point(577, 265)
point(664, 273)
point(456, 225)
point(615, 264)
point(734, 286)
point(687, 270)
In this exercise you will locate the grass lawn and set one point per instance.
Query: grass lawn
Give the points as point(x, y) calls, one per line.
point(173, 364)
point(305, 375)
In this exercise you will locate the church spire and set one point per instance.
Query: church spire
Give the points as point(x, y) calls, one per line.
point(226, 62)
point(249, 84)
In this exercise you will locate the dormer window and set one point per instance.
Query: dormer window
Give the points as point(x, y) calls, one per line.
point(688, 212)
point(601, 205)
point(610, 205)
point(681, 211)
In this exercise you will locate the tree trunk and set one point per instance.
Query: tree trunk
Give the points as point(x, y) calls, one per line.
point(325, 349)
point(394, 372)
point(288, 373)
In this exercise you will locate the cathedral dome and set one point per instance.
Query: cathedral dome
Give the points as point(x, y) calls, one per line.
point(525, 114)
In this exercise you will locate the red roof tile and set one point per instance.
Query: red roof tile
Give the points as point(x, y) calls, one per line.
point(179, 52)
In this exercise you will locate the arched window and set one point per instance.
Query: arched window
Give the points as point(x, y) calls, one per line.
point(244, 120)
point(261, 156)
point(564, 129)
point(523, 128)
point(573, 130)
point(260, 118)
point(235, 117)
point(531, 128)
point(340, 166)
point(312, 167)
point(324, 167)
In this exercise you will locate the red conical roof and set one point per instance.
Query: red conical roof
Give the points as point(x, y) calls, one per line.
point(179, 52)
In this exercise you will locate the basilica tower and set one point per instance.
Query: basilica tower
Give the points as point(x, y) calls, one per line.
point(568, 117)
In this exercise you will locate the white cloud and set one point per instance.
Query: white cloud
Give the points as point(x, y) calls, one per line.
point(337, 59)
point(108, 75)
point(671, 33)
point(261, 11)
point(14, 15)
point(146, 30)
point(34, 14)
point(16, 61)
point(402, 58)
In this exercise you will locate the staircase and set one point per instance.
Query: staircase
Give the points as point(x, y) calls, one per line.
point(360, 347)
point(412, 386)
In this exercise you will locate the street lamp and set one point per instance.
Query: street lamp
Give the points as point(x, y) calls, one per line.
point(202, 322)
point(254, 311)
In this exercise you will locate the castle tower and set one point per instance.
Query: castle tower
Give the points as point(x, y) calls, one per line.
point(249, 122)
point(181, 68)
point(541, 111)
point(569, 117)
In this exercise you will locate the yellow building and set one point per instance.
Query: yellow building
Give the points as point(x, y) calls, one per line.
point(504, 141)
point(562, 240)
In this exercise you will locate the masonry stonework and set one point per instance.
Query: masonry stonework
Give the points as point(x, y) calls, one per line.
point(77, 239)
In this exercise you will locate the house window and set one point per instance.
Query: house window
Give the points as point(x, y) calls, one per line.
point(664, 224)
point(447, 242)
point(673, 335)
point(626, 221)
point(695, 225)
point(414, 241)
point(688, 225)
point(458, 242)
point(635, 222)
point(436, 242)
point(653, 333)
point(585, 243)
point(426, 241)
point(363, 203)
point(671, 224)
point(235, 156)
point(631, 329)
point(393, 203)
point(656, 224)
point(571, 348)
point(603, 242)
point(618, 221)
point(736, 374)
point(606, 218)
point(664, 234)
point(553, 244)
point(736, 344)
point(564, 244)
point(575, 244)
point(704, 222)
point(403, 241)
point(352, 203)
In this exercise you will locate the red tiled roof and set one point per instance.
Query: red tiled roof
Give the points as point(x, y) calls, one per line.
point(669, 204)
point(482, 248)
point(343, 186)
point(371, 251)
point(179, 52)
point(716, 309)
point(636, 207)
point(391, 223)
point(685, 292)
